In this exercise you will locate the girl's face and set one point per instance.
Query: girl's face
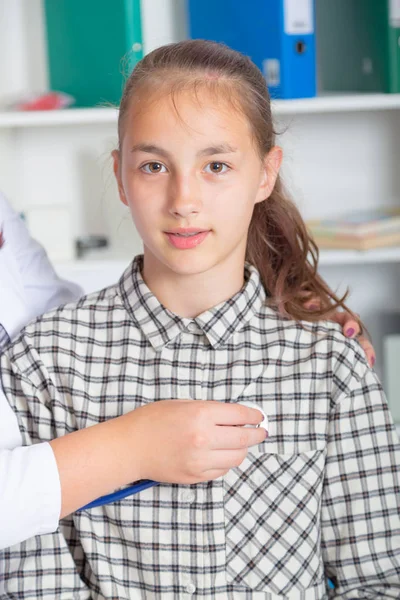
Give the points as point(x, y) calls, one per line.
point(191, 175)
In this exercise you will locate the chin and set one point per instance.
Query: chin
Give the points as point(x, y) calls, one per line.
point(190, 263)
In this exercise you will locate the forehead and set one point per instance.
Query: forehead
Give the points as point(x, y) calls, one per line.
point(188, 115)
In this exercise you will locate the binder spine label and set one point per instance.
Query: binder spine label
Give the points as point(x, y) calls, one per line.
point(299, 17)
point(394, 13)
point(272, 72)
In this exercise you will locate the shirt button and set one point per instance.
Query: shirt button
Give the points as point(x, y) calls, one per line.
point(187, 496)
point(190, 588)
point(192, 327)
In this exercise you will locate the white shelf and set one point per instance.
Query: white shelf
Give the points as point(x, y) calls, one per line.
point(51, 118)
point(93, 264)
point(95, 272)
point(337, 103)
point(87, 116)
point(350, 257)
point(100, 262)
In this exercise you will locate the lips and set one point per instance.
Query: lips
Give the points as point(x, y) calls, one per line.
point(186, 238)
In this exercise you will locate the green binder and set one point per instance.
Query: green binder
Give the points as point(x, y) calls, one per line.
point(358, 45)
point(92, 46)
point(394, 46)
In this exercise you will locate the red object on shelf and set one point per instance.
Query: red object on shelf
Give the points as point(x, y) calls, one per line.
point(48, 101)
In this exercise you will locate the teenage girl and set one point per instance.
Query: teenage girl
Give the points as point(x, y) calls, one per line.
point(212, 314)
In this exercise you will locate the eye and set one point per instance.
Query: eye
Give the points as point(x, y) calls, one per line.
point(153, 168)
point(217, 168)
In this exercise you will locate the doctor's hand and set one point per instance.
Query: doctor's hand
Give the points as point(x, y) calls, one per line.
point(350, 327)
point(173, 441)
point(187, 441)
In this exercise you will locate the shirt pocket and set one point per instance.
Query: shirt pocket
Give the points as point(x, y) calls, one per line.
point(272, 522)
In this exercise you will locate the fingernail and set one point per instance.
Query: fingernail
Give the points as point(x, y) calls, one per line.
point(373, 359)
point(266, 434)
point(350, 332)
point(313, 307)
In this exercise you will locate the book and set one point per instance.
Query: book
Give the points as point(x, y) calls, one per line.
point(361, 230)
point(92, 46)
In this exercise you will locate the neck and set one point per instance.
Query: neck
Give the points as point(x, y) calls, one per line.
point(190, 295)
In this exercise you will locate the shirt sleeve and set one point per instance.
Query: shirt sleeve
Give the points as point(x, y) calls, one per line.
point(14, 311)
point(360, 520)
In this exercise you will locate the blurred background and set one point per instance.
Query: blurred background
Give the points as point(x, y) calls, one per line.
point(333, 70)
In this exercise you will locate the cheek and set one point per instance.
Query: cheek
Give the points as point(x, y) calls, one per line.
point(143, 195)
point(233, 205)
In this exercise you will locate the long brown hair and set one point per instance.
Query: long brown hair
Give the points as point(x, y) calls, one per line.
point(278, 244)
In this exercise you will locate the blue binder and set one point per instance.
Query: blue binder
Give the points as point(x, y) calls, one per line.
point(278, 35)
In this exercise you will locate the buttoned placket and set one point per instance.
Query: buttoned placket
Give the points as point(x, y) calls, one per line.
point(206, 561)
point(194, 496)
point(191, 377)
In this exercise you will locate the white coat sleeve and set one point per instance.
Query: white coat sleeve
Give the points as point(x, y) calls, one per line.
point(28, 273)
point(30, 490)
point(14, 311)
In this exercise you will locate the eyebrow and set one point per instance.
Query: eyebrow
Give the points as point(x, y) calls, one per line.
point(209, 151)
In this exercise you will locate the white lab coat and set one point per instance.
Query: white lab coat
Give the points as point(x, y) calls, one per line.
point(30, 495)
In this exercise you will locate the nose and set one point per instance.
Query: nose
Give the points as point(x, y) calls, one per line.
point(184, 197)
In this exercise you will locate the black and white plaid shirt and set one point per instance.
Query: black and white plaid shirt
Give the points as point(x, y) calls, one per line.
point(318, 499)
point(4, 339)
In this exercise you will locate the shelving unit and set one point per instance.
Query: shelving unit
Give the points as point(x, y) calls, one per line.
point(352, 257)
point(331, 103)
point(340, 152)
point(58, 118)
point(101, 261)
point(109, 115)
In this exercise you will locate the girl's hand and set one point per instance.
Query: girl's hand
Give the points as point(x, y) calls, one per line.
point(187, 441)
point(350, 329)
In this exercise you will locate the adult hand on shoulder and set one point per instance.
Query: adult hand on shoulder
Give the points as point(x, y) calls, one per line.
point(350, 328)
point(187, 441)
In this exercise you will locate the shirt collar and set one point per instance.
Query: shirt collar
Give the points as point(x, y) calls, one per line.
point(161, 326)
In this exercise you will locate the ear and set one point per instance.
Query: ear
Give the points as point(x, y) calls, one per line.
point(117, 172)
point(269, 173)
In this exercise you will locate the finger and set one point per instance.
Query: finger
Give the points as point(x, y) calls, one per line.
point(314, 303)
point(348, 323)
point(339, 317)
point(351, 328)
point(368, 350)
point(228, 459)
point(231, 438)
point(236, 414)
point(366, 344)
point(212, 474)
